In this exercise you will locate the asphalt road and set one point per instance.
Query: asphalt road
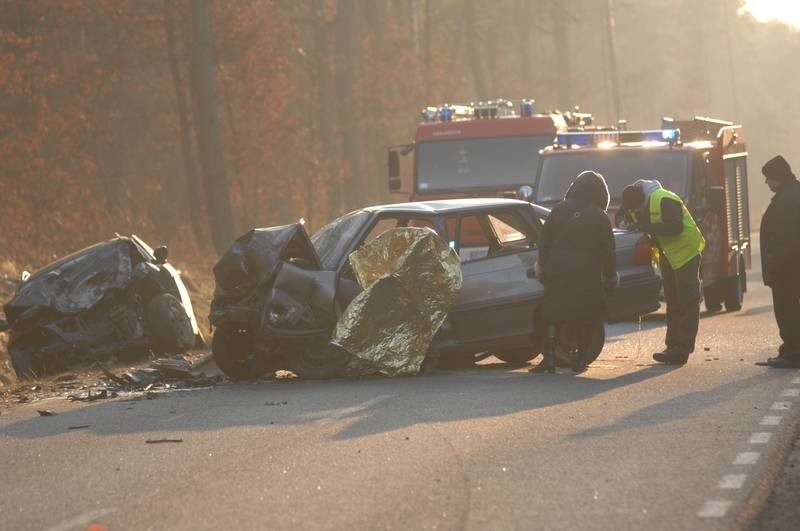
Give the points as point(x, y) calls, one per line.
point(627, 445)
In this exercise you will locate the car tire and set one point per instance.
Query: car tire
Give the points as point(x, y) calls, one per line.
point(319, 360)
point(234, 352)
point(566, 345)
point(168, 326)
point(516, 357)
point(734, 292)
point(21, 361)
point(712, 297)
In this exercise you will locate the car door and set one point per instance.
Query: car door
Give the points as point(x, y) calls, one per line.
point(500, 293)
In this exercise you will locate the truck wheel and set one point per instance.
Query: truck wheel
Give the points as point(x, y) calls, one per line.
point(236, 356)
point(567, 344)
point(168, 326)
point(734, 292)
point(712, 297)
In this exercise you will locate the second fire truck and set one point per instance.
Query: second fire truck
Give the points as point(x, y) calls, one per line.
point(702, 160)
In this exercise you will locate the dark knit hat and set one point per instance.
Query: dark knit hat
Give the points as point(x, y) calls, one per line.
point(632, 196)
point(777, 169)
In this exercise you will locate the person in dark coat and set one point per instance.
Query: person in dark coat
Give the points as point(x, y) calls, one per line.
point(780, 258)
point(577, 264)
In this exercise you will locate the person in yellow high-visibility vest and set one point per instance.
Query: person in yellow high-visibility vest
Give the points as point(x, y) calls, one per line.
point(651, 209)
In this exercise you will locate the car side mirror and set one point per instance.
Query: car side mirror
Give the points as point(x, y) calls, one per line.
point(160, 254)
point(525, 193)
point(716, 198)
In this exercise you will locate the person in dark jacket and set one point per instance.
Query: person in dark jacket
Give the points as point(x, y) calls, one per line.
point(780, 258)
point(576, 263)
point(651, 209)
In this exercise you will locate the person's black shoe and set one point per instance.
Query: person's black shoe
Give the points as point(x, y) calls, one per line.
point(671, 357)
point(783, 362)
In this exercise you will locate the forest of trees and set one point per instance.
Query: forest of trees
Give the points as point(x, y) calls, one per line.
point(190, 121)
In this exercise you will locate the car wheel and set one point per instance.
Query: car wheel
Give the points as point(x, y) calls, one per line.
point(168, 326)
point(734, 292)
point(567, 345)
point(319, 360)
point(236, 356)
point(712, 297)
point(516, 357)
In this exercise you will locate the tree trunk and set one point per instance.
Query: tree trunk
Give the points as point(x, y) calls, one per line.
point(613, 68)
point(474, 51)
point(209, 142)
point(327, 109)
point(189, 168)
point(348, 125)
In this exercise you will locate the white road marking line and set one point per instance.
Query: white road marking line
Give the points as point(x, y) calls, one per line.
point(780, 405)
point(747, 458)
point(354, 409)
point(796, 380)
point(714, 509)
point(771, 420)
point(791, 392)
point(732, 481)
point(761, 437)
point(81, 520)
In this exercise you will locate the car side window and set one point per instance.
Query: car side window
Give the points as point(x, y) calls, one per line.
point(468, 237)
point(512, 231)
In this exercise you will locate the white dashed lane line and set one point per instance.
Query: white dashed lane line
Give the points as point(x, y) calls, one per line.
point(719, 508)
point(732, 481)
point(714, 509)
point(747, 458)
point(762, 437)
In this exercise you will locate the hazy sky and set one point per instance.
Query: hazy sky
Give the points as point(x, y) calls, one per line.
point(785, 11)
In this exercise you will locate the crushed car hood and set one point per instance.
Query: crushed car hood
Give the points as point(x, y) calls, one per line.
point(76, 282)
point(243, 273)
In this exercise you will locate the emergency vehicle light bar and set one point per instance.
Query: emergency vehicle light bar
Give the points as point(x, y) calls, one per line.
point(598, 138)
point(481, 110)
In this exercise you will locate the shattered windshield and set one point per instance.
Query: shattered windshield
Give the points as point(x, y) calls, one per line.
point(332, 240)
point(505, 162)
point(620, 168)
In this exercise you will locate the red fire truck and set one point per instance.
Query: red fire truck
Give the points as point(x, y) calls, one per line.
point(703, 160)
point(478, 150)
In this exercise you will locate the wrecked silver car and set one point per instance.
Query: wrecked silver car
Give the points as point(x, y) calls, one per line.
point(495, 311)
point(117, 297)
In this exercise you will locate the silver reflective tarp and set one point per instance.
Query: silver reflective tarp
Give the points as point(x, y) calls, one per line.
point(410, 279)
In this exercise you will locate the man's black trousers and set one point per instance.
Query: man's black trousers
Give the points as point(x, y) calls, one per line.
point(786, 304)
point(682, 293)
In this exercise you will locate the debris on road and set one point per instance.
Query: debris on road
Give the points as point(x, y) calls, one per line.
point(79, 427)
point(45, 412)
point(276, 403)
point(115, 298)
point(156, 441)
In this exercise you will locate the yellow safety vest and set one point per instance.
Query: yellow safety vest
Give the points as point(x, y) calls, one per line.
point(680, 248)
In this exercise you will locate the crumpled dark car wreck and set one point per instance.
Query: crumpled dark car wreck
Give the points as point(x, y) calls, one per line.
point(276, 305)
point(117, 297)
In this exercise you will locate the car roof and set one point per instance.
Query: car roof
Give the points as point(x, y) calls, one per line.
point(446, 206)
